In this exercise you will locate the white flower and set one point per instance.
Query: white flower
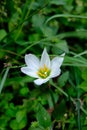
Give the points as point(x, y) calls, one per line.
point(43, 69)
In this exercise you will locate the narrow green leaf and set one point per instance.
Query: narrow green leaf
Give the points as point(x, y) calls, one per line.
point(66, 16)
point(4, 79)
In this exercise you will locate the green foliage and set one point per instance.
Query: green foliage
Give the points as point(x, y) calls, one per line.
point(3, 79)
point(43, 117)
point(27, 27)
point(2, 34)
point(83, 85)
point(63, 79)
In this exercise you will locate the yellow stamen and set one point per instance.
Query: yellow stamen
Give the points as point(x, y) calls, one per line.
point(43, 72)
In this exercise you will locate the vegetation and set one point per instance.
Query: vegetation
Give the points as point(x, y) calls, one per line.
point(27, 27)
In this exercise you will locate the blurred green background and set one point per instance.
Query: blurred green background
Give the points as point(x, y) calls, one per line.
point(27, 26)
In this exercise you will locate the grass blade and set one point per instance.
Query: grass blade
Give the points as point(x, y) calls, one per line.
point(66, 16)
point(4, 79)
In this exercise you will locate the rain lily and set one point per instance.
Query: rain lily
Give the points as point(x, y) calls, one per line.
point(43, 69)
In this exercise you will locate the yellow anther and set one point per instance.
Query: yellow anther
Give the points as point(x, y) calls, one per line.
point(43, 72)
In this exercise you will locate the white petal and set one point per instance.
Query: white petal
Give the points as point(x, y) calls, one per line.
point(29, 72)
point(32, 61)
point(57, 61)
point(41, 81)
point(45, 59)
point(55, 72)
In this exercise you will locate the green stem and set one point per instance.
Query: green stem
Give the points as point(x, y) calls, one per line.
point(78, 111)
point(78, 103)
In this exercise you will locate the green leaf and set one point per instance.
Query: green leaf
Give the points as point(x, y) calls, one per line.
point(63, 46)
point(35, 126)
point(18, 125)
point(10, 113)
point(58, 2)
point(20, 115)
point(38, 20)
point(63, 79)
point(20, 121)
point(83, 86)
point(43, 117)
point(60, 47)
point(3, 33)
point(48, 31)
point(84, 74)
point(24, 91)
point(52, 98)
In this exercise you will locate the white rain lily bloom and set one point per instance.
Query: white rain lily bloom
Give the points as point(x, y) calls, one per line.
point(43, 69)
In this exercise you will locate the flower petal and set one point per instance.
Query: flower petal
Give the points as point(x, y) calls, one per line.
point(32, 61)
point(45, 59)
point(29, 72)
point(55, 72)
point(41, 81)
point(57, 61)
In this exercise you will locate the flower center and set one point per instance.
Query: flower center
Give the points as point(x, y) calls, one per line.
point(43, 72)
